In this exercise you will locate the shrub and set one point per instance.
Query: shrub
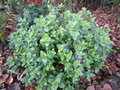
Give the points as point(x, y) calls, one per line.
point(68, 4)
point(27, 10)
point(59, 49)
point(16, 6)
point(34, 11)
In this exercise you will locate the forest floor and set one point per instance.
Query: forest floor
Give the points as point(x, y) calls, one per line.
point(108, 78)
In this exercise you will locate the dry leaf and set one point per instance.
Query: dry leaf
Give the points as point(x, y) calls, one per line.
point(107, 87)
point(9, 79)
point(15, 86)
point(113, 67)
point(3, 78)
point(98, 87)
point(1, 60)
point(95, 82)
point(92, 87)
point(30, 87)
point(0, 53)
point(4, 89)
point(106, 25)
point(84, 80)
point(0, 73)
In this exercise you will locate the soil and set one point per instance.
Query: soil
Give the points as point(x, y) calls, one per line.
point(107, 78)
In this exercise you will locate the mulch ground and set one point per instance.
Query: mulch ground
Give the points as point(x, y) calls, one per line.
point(108, 78)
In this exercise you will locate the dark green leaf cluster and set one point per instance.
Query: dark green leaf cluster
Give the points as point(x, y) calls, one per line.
point(102, 2)
point(115, 2)
point(26, 10)
point(3, 18)
point(16, 6)
point(30, 12)
point(59, 49)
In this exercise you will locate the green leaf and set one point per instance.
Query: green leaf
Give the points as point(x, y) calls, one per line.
point(68, 56)
point(60, 47)
point(69, 88)
point(3, 19)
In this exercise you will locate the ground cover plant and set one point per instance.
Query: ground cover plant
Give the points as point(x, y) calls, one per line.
point(59, 49)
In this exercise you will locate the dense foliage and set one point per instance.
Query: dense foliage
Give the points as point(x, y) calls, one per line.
point(58, 49)
point(102, 1)
point(16, 6)
point(27, 10)
point(3, 18)
point(34, 11)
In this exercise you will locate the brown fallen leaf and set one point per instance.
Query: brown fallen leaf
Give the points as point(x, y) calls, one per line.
point(9, 79)
point(107, 87)
point(0, 73)
point(84, 80)
point(3, 89)
point(106, 69)
point(100, 73)
point(95, 82)
point(118, 59)
point(0, 53)
point(106, 25)
point(107, 62)
point(92, 87)
point(113, 67)
point(15, 86)
point(94, 78)
point(3, 78)
point(98, 87)
point(102, 84)
point(30, 87)
point(1, 60)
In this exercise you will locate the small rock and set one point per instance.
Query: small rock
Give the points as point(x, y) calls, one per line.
point(107, 87)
